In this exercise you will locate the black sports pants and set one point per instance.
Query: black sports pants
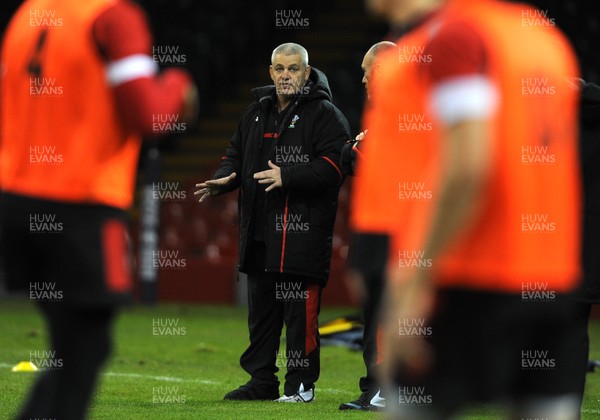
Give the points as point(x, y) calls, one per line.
point(370, 311)
point(275, 299)
point(72, 260)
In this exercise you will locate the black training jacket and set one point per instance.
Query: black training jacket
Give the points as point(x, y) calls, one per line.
point(299, 216)
point(589, 144)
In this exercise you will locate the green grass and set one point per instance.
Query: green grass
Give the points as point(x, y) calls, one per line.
point(198, 367)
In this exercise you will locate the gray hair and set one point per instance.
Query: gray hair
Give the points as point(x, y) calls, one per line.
point(289, 48)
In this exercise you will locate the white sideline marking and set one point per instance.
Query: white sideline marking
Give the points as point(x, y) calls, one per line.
point(161, 378)
point(175, 379)
point(140, 375)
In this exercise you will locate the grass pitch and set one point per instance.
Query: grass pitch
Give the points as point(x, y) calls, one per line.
point(178, 361)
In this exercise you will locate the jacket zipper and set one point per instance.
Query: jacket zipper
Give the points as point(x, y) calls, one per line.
point(284, 239)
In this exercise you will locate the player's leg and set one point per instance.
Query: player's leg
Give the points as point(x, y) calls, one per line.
point(84, 257)
point(301, 313)
point(370, 398)
point(549, 383)
point(25, 262)
point(369, 384)
point(81, 342)
point(581, 344)
point(466, 357)
point(265, 323)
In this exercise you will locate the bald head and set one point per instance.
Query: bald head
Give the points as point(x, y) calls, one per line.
point(369, 61)
point(379, 48)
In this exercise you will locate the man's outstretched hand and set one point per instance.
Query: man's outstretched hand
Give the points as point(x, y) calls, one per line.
point(212, 186)
point(270, 176)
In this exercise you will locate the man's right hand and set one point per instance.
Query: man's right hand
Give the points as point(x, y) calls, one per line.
point(360, 136)
point(212, 186)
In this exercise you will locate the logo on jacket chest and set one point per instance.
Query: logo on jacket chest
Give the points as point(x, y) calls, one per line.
point(294, 121)
point(291, 155)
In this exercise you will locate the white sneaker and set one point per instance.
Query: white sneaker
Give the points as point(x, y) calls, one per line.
point(377, 400)
point(301, 396)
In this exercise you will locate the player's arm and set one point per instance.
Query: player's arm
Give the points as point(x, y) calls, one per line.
point(466, 161)
point(141, 92)
point(462, 99)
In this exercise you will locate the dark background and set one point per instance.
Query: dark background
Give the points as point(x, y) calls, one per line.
point(225, 40)
point(227, 45)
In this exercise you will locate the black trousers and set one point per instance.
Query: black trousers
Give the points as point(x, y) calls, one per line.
point(370, 311)
point(275, 299)
point(581, 343)
point(72, 261)
point(492, 347)
point(81, 342)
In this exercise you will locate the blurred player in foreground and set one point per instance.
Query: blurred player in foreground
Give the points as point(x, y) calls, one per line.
point(472, 165)
point(77, 91)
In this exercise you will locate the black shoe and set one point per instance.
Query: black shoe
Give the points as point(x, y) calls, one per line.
point(359, 404)
point(253, 392)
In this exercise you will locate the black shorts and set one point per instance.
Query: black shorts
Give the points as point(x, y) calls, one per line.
point(495, 348)
point(71, 253)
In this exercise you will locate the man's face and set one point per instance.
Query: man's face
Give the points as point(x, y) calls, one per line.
point(367, 66)
point(288, 74)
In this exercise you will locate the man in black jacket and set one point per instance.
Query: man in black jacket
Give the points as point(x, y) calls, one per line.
point(284, 158)
point(370, 283)
point(588, 293)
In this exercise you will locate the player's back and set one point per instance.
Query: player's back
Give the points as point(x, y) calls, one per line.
point(527, 229)
point(62, 138)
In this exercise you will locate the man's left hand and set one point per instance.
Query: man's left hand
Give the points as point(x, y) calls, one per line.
point(270, 176)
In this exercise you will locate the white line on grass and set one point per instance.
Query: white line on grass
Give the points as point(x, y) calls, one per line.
point(162, 378)
point(175, 379)
point(139, 375)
